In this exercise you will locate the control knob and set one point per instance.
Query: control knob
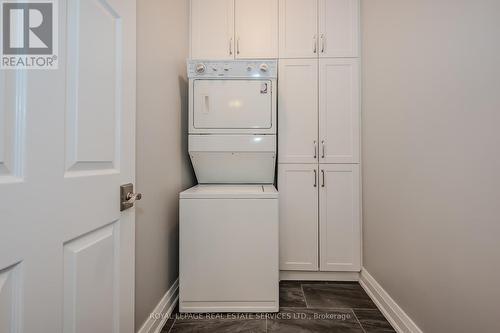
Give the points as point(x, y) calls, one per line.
point(264, 68)
point(200, 68)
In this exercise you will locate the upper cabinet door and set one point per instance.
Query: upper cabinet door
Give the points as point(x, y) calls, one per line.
point(339, 110)
point(298, 186)
point(339, 28)
point(212, 29)
point(256, 29)
point(298, 111)
point(298, 32)
point(339, 221)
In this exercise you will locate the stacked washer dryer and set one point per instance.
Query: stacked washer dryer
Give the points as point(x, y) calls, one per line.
point(229, 222)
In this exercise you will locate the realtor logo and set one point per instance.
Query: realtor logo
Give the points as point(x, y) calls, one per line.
point(29, 34)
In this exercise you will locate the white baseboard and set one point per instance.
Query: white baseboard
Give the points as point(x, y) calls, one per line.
point(319, 276)
point(162, 311)
point(401, 322)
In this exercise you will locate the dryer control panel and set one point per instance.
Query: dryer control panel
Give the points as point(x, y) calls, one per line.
point(232, 69)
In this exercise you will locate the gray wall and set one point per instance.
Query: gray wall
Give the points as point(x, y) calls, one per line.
point(163, 168)
point(431, 150)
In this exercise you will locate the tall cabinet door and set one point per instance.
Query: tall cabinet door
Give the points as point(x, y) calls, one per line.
point(298, 29)
point(212, 29)
point(339, 110)
point(298, 187)
point(256, 29)
point(298, 111)
point(339, 28)
point(340, 224)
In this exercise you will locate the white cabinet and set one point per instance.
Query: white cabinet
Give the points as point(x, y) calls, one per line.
point(319, 104)
point(298, 111)
point(319, 28)
point(212, 29)
point(336, 214)
point(233, 29)
point(329, 103)
point(298, 187)
point(256, 29)
point(339, 28)
point(298, 33)
point(319, 124)
point(340, 224)
point(339, 110)
point(249, 29)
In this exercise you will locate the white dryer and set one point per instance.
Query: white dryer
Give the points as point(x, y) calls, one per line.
point(232, 121)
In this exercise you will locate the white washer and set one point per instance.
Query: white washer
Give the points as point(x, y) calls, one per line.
point(229, 249)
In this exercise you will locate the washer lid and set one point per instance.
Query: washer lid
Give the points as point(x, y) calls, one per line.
point(230, 192)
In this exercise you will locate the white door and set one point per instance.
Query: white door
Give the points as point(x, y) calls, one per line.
point(340, 224)
point(256, 29)
point(298, 187)
point(298, 111)
point(339, 28)
point(298, 29)
point(339, 110)
point(66, 145)
point(232, 104)
point(212, 29)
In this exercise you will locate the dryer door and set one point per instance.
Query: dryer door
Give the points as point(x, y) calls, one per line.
point(232, 104)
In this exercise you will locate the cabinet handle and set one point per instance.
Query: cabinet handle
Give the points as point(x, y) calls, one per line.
point(323, 178)
point(231, 46)
point(323, 149)
point(315, 178)
point(315, 43)
point(238, 45)
point(315, 150)
point(322, 43)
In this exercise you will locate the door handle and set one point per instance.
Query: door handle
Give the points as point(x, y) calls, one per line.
point(315, 150)
point(238, 45)
point(323, 149)
point(133, 197)
point(231, 46)
point(206, 104)
point(315, 43)
point(323, 178)
point(322, 43)
point(315, 178)
point(128, 197)
point(263, 88)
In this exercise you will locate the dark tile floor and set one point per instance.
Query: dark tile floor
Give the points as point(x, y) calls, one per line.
point(305, 306)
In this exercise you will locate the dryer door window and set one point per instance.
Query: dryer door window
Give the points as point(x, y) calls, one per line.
point(232, 104)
